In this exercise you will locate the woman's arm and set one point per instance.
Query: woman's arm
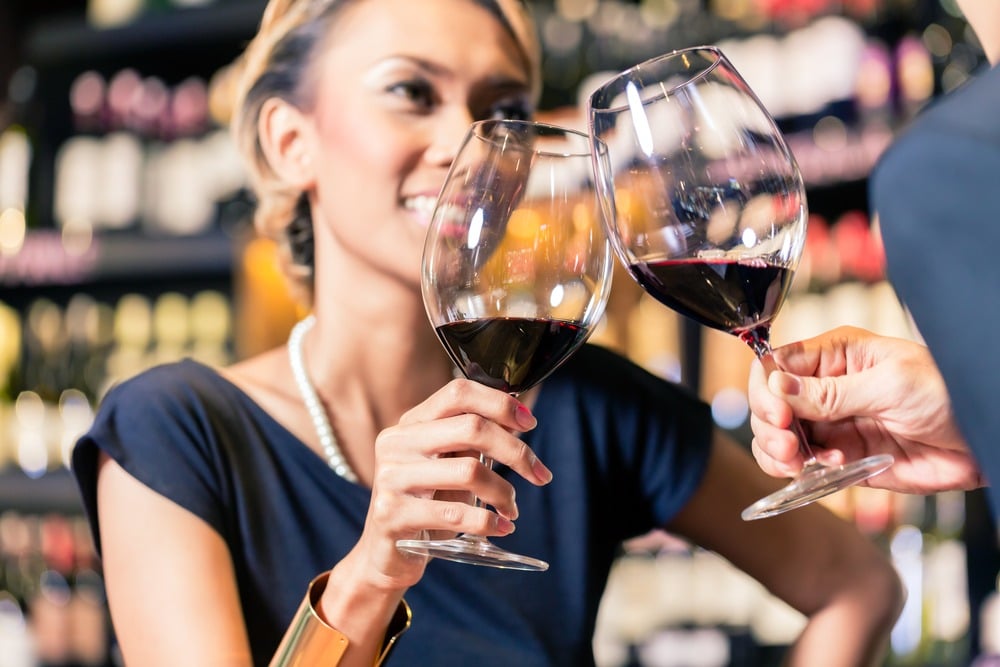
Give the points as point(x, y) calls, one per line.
point(172, 590)
point(811, 559)
point(171, 584)
point(169, 577)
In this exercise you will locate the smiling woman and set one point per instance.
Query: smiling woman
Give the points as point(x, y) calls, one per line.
point(400, 82)
point(220, 497)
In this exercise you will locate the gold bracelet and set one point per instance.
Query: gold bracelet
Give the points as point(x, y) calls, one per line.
point(311, 642)
point(399, 624)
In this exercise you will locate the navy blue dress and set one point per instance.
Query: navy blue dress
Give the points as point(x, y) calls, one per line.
point(937, 193)
point(627, 450)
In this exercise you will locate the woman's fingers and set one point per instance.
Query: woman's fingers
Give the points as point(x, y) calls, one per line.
point(438, 496)
point(429, 470)
point(465, 396)
point(464, 417)
point(420, 516)
point(465, 475)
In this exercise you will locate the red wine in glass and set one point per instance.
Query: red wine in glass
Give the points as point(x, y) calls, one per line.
point(515, 274)
point(706, 207)
point(512, 354)
point(741, 297)
point(736, 296)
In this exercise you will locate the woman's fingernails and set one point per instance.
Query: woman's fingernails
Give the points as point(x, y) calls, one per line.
point(505, 526)
point(525, 419)
point(831, 457)
point(543, 474)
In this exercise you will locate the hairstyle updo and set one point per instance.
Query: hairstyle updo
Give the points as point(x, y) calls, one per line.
point(277, 64)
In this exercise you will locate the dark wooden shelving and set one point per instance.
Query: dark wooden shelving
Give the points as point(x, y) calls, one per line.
point(55, 491)
point(70, 41)
point(45, 261)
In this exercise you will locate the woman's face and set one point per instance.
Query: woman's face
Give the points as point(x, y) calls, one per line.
point(397, 88)
point(984, 17)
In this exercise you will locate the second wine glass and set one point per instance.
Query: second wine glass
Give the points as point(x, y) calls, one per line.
point(516, 272)
point(707, 210)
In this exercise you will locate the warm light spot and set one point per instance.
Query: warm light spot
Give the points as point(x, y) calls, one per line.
point(32, 449)
point(659, 13)
point(77, 416)
point(556, 296)
point(524, 224)
point(583, 218)
point(77, 237)
point(938, 40)
point(576, 10)
point(87, 93)
point(12, 231)
point(830, 134)
point(475, 229)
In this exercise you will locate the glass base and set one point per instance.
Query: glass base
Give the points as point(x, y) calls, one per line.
point(815, 482)
point(472, 550)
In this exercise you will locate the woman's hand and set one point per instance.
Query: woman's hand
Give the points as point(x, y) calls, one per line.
point(862, 394)
point(428, 473)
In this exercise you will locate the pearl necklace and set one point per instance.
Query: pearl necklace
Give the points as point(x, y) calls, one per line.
point(334, 457)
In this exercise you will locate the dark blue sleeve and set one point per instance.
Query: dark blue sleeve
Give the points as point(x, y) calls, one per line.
point(156, 427)
point(937, 194)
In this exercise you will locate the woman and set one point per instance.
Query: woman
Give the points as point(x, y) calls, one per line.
point(216, 497)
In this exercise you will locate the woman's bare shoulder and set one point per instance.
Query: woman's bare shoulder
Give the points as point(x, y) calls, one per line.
point(265, 377)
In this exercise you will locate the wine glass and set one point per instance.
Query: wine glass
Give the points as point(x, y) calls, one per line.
point(516, 272)
point(706, 208)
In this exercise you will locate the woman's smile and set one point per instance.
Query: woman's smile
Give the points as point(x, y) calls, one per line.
point(421, 207)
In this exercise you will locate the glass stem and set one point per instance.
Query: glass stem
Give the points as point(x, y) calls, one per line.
point(478, 541)
point(759, 340)
point(488, 462)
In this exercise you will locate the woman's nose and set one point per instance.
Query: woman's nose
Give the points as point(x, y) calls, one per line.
point(448, 136)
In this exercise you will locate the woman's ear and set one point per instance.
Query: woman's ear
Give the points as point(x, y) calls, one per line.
point(284, 137)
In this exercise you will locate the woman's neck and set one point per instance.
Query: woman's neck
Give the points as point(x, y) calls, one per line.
point(374, 349)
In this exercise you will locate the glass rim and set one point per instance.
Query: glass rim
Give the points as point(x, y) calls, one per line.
point(701, 73)
point(549, 128)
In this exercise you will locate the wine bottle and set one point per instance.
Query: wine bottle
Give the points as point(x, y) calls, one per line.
point(91, 636)
point(49, 606)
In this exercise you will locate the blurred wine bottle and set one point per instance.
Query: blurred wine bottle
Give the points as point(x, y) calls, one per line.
point(17, 153)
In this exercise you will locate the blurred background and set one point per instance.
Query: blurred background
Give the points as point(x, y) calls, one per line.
point(125, 242)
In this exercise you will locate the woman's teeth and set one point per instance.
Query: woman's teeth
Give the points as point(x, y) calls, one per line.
point(424, 207)
point(422, 204)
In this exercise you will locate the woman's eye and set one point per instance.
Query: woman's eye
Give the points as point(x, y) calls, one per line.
point(418, 93)
point(510, 111)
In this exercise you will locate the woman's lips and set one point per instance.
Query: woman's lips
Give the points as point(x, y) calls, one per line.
point(422, 206)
